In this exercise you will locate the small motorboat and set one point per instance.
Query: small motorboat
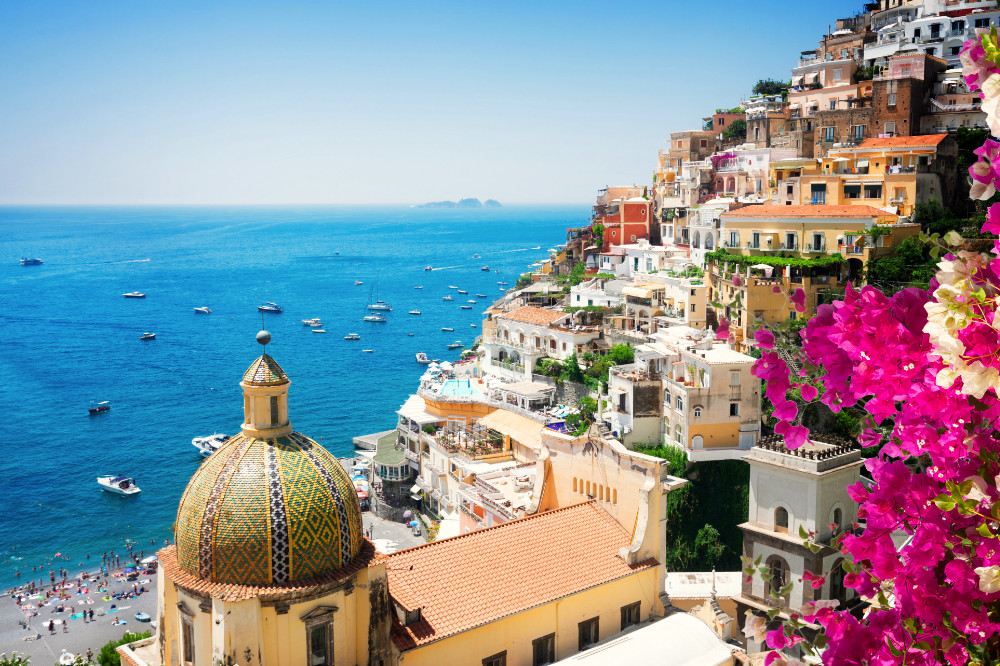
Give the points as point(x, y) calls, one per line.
point(374, 317)
point(466, 307)
point(368, 351)
point(423, 359)
point(409, 335)
point(447, 298)
point(270, 307)
point(358, 282)
point(502, 284)
point(336, 253)
point(319, 330)
point(471, 301)
point(462, 291)
point(420, 287)
point(455, 345)
point(99, 407)
point(148, 336)
point(485, 268)
point(312, 322)
point(451, 286)
point(537, 248)
point(476, 256)
point(381, 305)
point(134, 294)
point(352, 336)
point(428, 268)
point(120, 485)
point(447, 329)
point(481, 295)
point(414, 312)
point(472, 325)
point(30, 262)
point(203, 311)
point(208, 445)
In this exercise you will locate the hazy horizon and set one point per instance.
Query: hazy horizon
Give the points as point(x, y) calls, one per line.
point(308, 103)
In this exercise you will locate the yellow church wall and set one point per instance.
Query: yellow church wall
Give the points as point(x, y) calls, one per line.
point(562, 617)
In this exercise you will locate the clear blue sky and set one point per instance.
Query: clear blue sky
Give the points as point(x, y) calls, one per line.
point(181, 102)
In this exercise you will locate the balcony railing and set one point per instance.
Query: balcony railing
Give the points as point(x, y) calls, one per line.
point(816, 247)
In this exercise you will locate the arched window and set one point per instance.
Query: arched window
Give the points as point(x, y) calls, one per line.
point(697, 442)
point(574, 484)
point(778, 568)
point(588, 487)
point(709, 242)
point(614, 496)
point(781, 520)
point(837, 589)
point(838, 519)
point(697, 412)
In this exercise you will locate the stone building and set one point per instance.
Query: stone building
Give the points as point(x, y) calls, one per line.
point(791, 489)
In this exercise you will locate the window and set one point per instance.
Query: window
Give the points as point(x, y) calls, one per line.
point(697, 412)
point(630, 615)
point(779, 576)
point(838, 518)
point(734, 409)
point(930, 51)
point(734, 239)
point(833, 105)
point(781, 520)
point(187, 640)
point(873, 191)
point(958, 25)
point(680, 403)
point(818, 242)
point(904, 71)
point(916, 34)
point(956, 50)
point(734, 377)
point(692, 307)
point(704, 143)
point(589, 633)
point(889, 129)
point(843, 55)
point(791, 241)
point(858, 132)
point(892, 99)
point(677, 433)
point(574, 484)
point(320, 639)
point(274, 410)
point(499, 659)
point(829, 133)
point(982, 23)
point(543, 650)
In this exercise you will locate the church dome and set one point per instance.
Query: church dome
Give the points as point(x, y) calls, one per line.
point(265, 371)
point(268, 512)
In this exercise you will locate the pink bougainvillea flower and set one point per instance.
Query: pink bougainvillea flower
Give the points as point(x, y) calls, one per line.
point(986, 172)
point(809, 392)
point(722, 332)
point(775, 289)
point(764, 338)
point(798, 299)
point(737, 282)
point(992, 225)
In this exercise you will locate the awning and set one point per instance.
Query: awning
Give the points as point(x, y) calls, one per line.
point(862, 163)
point(415, 489)
point(530, 390)
point(413, 409)
point(796, 80)
point(841, 159)
point(812, 103)
point(519, 428)
point(638, 292)
point(794, 106)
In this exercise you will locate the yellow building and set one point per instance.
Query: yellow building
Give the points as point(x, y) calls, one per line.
point(886, 172)
point(836, 241)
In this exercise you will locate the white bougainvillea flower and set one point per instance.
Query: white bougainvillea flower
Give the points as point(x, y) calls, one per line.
point(989, 579)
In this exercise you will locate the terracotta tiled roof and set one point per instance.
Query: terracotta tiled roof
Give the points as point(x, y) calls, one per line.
point(457, 585)
point(366, 557)
point(805, 211)
point(921, 141)
point(532, 315)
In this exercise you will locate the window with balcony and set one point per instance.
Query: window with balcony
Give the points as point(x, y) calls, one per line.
point(734, 239)
point(957, 26)
point(791, 241)
point(858, 133)
point(829, 133)
point(818, 193)
point(818, 242)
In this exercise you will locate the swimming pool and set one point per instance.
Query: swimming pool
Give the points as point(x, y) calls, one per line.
point(458, 387)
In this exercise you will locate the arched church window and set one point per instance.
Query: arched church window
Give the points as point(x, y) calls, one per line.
point(781, 520)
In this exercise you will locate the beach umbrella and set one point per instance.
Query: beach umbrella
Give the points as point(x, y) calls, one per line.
point(407, 514)
point(148, 560)
point(413, 523)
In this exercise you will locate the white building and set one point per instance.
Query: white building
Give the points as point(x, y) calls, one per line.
point(641, 258)
point(925, 29)
point(520, 337)
point(597, 292)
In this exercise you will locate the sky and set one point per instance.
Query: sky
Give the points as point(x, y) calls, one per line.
point(369, 102)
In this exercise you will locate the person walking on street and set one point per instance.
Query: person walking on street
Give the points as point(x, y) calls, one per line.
point(52, 626)
point(65, 628)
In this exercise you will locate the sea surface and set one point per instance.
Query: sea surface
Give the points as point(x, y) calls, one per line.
point(68, 337)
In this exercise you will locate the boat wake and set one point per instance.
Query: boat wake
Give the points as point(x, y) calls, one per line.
point(128, 261)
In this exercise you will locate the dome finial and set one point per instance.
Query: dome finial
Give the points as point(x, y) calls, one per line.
point(263, 337)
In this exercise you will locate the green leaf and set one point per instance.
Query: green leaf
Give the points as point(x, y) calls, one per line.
point(984, 530)
point(787, 589)
point(771, 613)
point(945, 504)
point(803, 533)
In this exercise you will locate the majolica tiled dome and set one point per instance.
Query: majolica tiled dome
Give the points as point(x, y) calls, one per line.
point(268, 512)
point(265, 371)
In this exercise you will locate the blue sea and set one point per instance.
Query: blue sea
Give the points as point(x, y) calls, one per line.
point(68, 337)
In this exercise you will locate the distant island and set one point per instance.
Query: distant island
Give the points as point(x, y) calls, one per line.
point(462, 203)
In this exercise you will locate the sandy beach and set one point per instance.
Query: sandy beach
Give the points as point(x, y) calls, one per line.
point(80, 634)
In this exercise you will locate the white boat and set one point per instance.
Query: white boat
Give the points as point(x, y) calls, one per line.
point(319, 330)
point(209, 445)
point(409, 335)
point(421, 287)
point(485, 268)
point(374, 302)
point(374, 317)
point(352, 336)
point(537, 248)
point(121, 485)
point(357, 282)
point(25, 261)
point(270, 307)
point(428, 268)
point(422, 359)
point(451, 286)
point(472, 325)
point(455, 345)
point(481, 295)
point(462, 291)
point(466, 307)
point(148, 336)
point(447, 329)
point(381, 305)
point(368, 351)
point(471, 301)
point(414, 312)
point(203, 310)
point(447, 298)
point(312, 322)
point(134, 294)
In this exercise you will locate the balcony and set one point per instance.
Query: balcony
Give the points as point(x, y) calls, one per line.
point(815, 247)
point(411, 456)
